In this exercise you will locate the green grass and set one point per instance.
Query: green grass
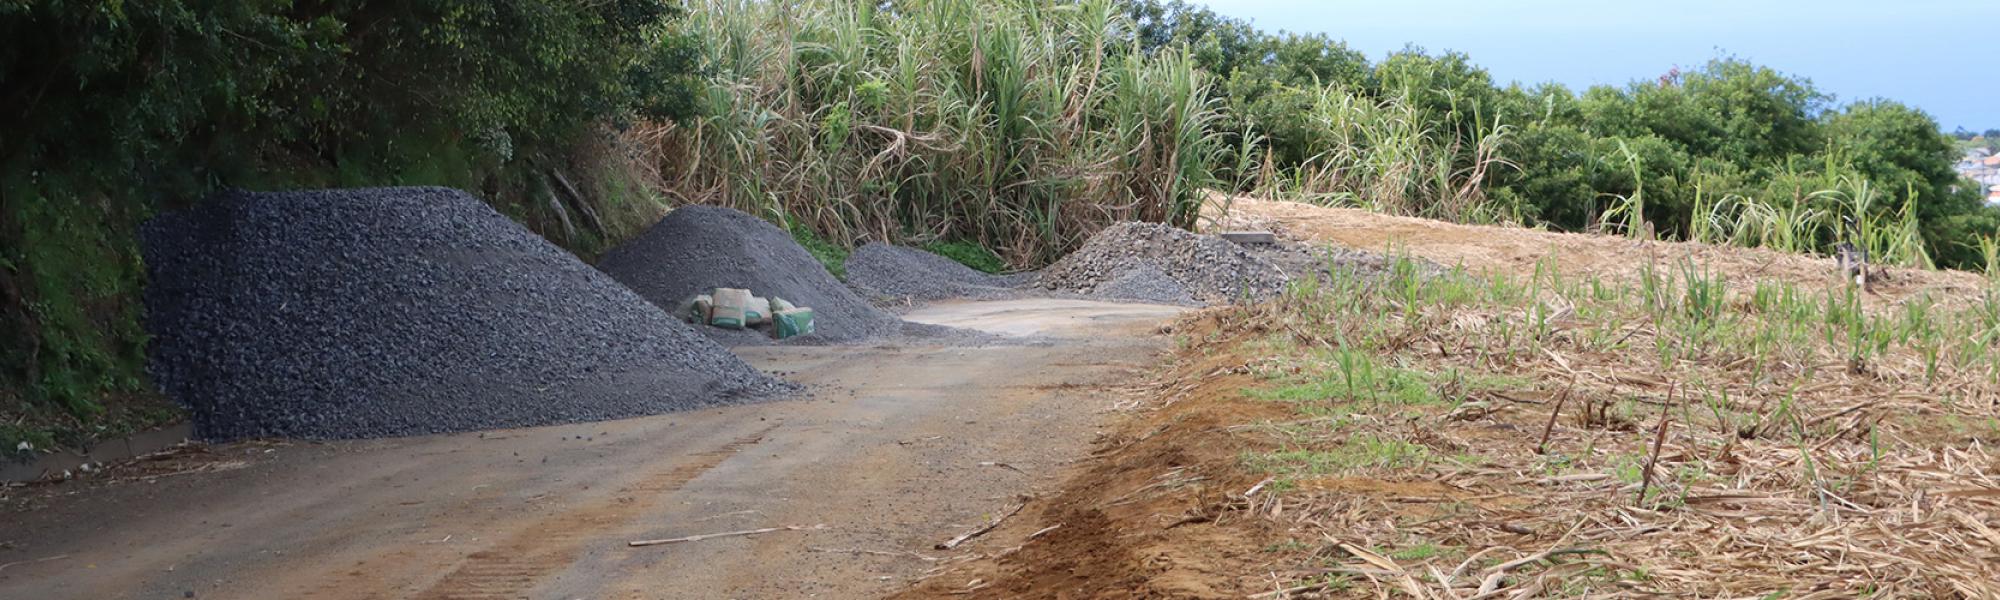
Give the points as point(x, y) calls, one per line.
point(1422, 551)
point(1345, 344)
point(1734, 366)
point(830, 255)
point(1356, 452)
point(1348, 379)
point(969, 254)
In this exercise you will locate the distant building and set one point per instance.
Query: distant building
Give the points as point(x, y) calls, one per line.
point(1982, 166)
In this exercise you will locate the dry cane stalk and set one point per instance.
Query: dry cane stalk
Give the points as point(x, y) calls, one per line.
point(1543, 447)
point(1646, 480)
point(1659, 439)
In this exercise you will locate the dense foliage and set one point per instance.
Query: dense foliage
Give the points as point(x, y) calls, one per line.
point(113, 109)
point(1729, 151)
point(1017, 126)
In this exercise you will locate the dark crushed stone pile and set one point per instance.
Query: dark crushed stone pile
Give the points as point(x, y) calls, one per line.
point(908, 275)
point(696, 249)
point(402, 311)
point(1151, 262)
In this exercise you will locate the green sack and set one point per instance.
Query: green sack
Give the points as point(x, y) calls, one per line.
point(797, 321)
point(757, 312)
point(729, 308)
point(696, 309)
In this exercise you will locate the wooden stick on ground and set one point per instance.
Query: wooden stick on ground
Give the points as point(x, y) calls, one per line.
point(710, 536)
point(1659, 439)
point(1543, 447)
point(989, 526)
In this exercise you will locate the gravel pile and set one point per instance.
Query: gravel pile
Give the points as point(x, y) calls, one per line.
point(402, 311)
point(1151, 262)
point(903, 275)
point(1298, 260)
point(696, 249)
point(1145, 280)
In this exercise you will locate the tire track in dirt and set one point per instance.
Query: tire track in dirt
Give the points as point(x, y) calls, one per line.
point(513, 568)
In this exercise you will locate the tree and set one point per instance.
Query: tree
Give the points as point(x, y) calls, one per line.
point(1730, 109)
point(1448, 87)
point(1900, 150)
point(1220, 44)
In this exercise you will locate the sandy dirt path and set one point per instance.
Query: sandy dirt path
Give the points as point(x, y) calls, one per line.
point(898, 447)
point(1517, 250)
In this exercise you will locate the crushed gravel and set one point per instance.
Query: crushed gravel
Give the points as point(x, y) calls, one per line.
point(900, 275)
point(1298, 260)
point(401, 311)
point(1145, 280)
point(696, 249)
point(1151, 262)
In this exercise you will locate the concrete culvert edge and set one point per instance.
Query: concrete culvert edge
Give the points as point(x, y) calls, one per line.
point(402, 311)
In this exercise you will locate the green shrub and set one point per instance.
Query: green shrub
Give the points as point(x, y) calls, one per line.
point(969, 254)
point(830, 255)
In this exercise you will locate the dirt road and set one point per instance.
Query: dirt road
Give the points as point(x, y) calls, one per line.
point(898, 447)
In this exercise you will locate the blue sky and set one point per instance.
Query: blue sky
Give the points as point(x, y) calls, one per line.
point(1942, 57)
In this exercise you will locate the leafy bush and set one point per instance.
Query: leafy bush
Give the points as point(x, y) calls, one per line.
point(969, 254)
point(830, 255)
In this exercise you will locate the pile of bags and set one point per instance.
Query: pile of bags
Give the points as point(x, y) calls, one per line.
point(732, 308)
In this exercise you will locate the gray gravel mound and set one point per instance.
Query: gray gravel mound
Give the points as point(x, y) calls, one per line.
point(900, 274)
point(1299, 260)
point(402, 311)
point(1118, 261)
point(696, 249)
point(1144, 280)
